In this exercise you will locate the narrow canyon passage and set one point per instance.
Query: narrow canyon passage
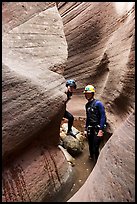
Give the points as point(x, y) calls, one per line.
point(43, 45)
point(82, 164)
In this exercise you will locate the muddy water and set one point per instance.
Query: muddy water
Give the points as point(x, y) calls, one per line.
point(83, 165)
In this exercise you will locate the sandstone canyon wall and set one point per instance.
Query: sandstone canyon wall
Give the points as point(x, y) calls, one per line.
point(101, 44)
point(101, 51)
point(113, 177)
point(34, 55)
point(43, 45)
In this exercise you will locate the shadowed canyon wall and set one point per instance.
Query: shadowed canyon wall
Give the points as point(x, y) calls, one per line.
point(42, 45)
point(101, 40)
point(101, 51)
point(34, 55)
point(113, 177)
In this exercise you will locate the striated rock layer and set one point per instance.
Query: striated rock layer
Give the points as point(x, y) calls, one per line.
point(94, 42)
point(113, 177)
point(36, 175)
point(101, 45)
point(101, 51)
point(34, 55)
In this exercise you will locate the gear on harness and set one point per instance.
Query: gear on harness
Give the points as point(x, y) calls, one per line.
point(96, 128)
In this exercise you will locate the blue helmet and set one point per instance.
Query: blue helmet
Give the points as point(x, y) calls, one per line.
point(71, 82)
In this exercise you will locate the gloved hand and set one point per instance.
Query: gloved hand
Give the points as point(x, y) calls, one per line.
point(85, 133)
point(100, 133)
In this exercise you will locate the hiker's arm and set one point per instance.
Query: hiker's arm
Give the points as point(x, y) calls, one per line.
point(102, 114)
point(102, 119)
point(87, 122)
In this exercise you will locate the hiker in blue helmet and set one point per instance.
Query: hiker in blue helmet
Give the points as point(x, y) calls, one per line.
point(95, 121)
point(71, 85)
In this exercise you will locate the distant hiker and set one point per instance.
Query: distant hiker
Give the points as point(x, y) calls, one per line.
point(71, 85)
point(95, 121)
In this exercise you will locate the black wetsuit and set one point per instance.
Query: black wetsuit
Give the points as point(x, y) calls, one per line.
point(68, 115)
point(95, 121)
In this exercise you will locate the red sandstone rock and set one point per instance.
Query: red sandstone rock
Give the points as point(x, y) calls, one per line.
point(113, 177)
point(100, 48)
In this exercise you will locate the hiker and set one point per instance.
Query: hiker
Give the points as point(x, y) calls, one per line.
point(71, 85)
point(95, 121)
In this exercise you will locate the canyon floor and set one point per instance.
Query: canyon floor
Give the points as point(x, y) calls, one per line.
point(82, 168)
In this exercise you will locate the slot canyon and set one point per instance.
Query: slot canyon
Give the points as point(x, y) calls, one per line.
point(43, 45)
